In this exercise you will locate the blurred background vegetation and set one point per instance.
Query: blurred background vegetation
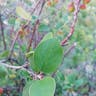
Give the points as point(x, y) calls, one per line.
point(77, 75)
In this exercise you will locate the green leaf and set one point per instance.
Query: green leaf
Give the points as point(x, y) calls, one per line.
point(79, 83)
point(28, 2)
point(4, 54)
point(17, 24)
point(26, 89)
point(29, 54)
point(48, 56)
point(22, 13)
point(43, 28)
point(11, 20)
point(58, 25)
point(3, 72)
point(59, 77)
point(66, 87)
point(3, 82)
point(47, 36)
point(44, 87)
point(71, 78)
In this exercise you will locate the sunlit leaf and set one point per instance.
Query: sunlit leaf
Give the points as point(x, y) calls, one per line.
point(48, 56)
point(22, 13)
point(44, 87)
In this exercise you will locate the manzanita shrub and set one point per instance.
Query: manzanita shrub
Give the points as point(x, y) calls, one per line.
point(39, 42)
point(47, 58)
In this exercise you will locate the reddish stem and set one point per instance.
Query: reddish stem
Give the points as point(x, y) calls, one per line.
point(72, 28)
point(32, 36)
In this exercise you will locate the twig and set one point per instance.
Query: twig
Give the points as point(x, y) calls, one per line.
point(2, 32)
point(35, 7)
point(36, 33)
point(23, 67)
point(13, 43)
point(70, 49)
point(11, 66)
point(33, 11)
point(43, 2)
point(73, 23)
point(33, 33)
point(35, 28)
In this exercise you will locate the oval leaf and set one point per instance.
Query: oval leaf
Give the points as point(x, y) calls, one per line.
point(48, 56)
point(26, 89)
point(4, 54)
point(47, 36)
point(44, 87)
point(3, 72)
point(22, 13)
point(43, 28)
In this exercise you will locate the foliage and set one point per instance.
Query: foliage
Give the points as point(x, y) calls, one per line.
point(38, 87)
point(44, 60)
point(40, 55)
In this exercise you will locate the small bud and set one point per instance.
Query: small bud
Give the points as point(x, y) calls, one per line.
point(12, 76)
point(86, 1)
point(71, 7)
point(49, 3)
point(56, 1)
point(82, 6)
point(1, 90)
